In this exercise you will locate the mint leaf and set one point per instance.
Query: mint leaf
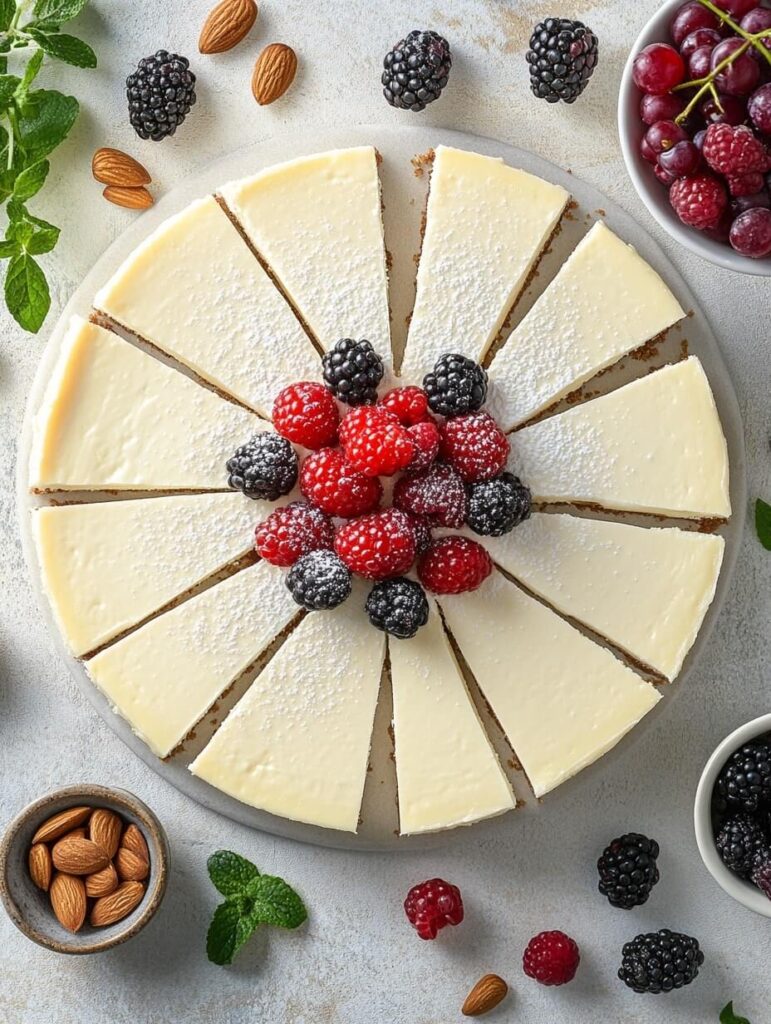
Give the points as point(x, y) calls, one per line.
point(43, 240)
point(228, 931)
point(29, 76)
point(276, 903)
point(7, 11)
point(728, 1016)
point(763, 523)
point(58, 11)
point(8, 248)
point(31, 180)
point(67, 48)
point(26, 293)
point(45, 121)
point(230, 873)
point(8, 86)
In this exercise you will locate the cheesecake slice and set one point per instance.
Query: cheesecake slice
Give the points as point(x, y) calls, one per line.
point(317, 223)
point(646, 590)
point(116, 418)
point(605, 302)
point(562, 700)
point(297, 744)
point(165, 676)
point(107, 566)
point(446, 770)
point(195, 291)
point(487, 224)
point(655, 445)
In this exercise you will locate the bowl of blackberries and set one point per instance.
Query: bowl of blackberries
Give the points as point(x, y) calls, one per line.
point(732, 815)
point(695, 127)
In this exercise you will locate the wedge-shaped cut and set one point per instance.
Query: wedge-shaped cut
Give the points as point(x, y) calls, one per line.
point(116, 418)
point(645, 590)
point(446, 770)
point(487, 224)
point(562, 700)
point(317, 222)
point(195, 290)
point(164, 677)
point(109, 565)
point(655, 445)
point(297, 743)
point(605, 302)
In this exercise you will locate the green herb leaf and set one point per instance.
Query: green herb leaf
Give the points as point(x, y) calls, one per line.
point(26, 292)
point(58, 11)
point(70, 49)
point(43, 240)
point(276, 903)
point(228, 931)
point(31, 180)
point(30, 74)
point(7, 11)
point(8, 248)
point(728, 1016)
point(8, 86)
point(763, 523)
point(46, 119)
point(230, 873)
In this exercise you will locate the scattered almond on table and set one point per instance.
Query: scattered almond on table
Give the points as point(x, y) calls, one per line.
point(273, 73)
point(227, 24)
point(488, 992)
point(124, 177)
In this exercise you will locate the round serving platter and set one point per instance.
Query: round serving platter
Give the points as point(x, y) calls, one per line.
point(404, 190)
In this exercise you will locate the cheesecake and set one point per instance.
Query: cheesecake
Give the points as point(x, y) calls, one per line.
point(655, 445)
point(486, 226)
point(194, 290)
point(604, 302)
point(561, 699)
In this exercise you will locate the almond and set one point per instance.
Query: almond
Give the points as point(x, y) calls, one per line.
point(131, 198)
point(134, 840)
point(114, 167)
point(130, 868)
point(40, 866)
point(104, 829)
point(273, 73)
point(103, 882)
point(117, 905)
point(68, 901)
point(485, 996)
point(76, 856)
point(227, 25)
point(60, 824)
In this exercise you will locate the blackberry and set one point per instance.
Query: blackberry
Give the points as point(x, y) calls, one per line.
point(742, 844)
point(496, 506)
point(628, 870)
point(264, 468)
point(319, 581)
point(660, 961)
point(398, 607)
point(562, 59)
point(455, 386)
point(761, 876)
point(416, 70)
point(352, 372)
point(744, 782)
point(160, 94)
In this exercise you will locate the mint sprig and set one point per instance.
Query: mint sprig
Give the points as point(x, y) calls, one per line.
point(728, 1016)
point(251, 899)
point(763, 523)
point(33, 122)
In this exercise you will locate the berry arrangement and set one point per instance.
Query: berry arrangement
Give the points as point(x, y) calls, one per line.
point(741, 805)
point(444, 454)
point(706, 107)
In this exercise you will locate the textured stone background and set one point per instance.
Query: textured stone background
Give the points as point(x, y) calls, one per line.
point(357, 961)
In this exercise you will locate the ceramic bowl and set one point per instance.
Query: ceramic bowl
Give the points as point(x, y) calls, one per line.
point(743, 892)
point(652, 193)
point(30, 909)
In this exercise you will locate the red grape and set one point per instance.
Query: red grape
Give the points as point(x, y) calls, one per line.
point(736, 8)
point(698, 139)
point(701, 37)
point(741, 204)
point(647, 153)
point(760, 108)
point(751, 233)
point(661, 108)
point(681, 161)
point(690, 17)
point(658, 69)
point(734, 110)
point(699, 63)
point(663, 176)
point(756, 21)
point(664, 135)
point(740, 77)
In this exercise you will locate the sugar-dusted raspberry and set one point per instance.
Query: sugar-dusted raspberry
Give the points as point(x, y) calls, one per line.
point(374, 441)
point(454, 565)
point(699, 201)
point(291, 531)
point(748, 184)
point(733, 150)
point(433, 905)
point(422, 530)
point(408, 404)
point(377, 546)
point(552, 958)
point(329, 483)
point(306, 414)
point(475, 445)
point(426, 438)
point(438, 494)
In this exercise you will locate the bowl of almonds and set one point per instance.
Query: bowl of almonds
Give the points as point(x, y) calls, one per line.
point(83, 869)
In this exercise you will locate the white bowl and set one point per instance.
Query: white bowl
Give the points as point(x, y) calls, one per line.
point(744, 892)
point(652, 193)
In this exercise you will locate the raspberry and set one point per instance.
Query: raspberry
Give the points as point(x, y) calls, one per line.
point(291, 531)
point(698, 201)
point(433, 905)
point(306, 414)
point(476, 446)
point(422, 530)
point(329, 483)
point(733, 150)
point(426, 439)
point(745, 184)
point(408, 404)
point(374, 441)
point(761, 877)
point(454, 565)
point(438, 494)
point(377, 546)
point(552, 958)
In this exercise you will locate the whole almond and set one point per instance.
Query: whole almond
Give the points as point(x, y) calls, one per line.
point(227, 25)
point(117, 905)
point(40, 866)
point(80, 832)
point(130, 868)
point(485, 996)
point(60, 824)
point(103, 882)
point(68, 901)
point(104, 829)
point(131, 198)
point(134, 840)
point(114, 167)
point(76, 856)
point(273, 73)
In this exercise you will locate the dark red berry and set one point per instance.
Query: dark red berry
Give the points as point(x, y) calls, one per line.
point(439, 494)
point(426, 438)
point(663, 176)
point(689, 18)
point(681, 161)
point(724, 110)
point(745, 184)
point(374, 441)
point(476, 446)
point(700, 62)
point(329, 483)
point(759, 201)
point(664, 135)
point(306, 414)
point(431, 906)
point(756, 21)
point(751, 233)
point(699, 201)
point(734, 150)
point(736, 8)
point(454, 565)
point(759, 108)
point(552, 958)
point(709, 37)
point(292, 531)
point(661, 108)
point(739, 77)
point(408, 404)
point(658, 69)
point(377, 546)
